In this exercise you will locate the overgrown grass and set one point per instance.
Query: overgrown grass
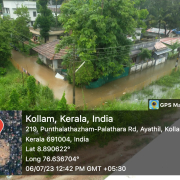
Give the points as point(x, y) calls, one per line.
point(147, 92)
point(164, 89)
point(13, 80)
point(175, 94)
point(122, 105)
point(169, 80)
point(126, 96)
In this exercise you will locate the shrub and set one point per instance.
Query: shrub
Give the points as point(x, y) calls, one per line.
point(62, 104)
point(14, 100)
point(3, 71)
point(39, 61)
point(47, 93)
point(31, 85)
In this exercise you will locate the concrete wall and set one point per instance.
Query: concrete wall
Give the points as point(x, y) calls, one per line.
point(52, 38)
point(43, 58)
point(55, 64)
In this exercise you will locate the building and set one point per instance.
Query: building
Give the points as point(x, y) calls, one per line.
point(136, 49)
point(9, 6)
point(53, 34)
point(161, 52)
point(170, 41)
point(159, 55)
point(155, 32)
point(137, 34)
point(53, 9)
point(46, 53)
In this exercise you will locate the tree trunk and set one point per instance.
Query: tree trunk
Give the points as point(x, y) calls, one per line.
point(168, 32)
point(23, 46)
point(56, 13)
point(159, 29)
point(165, 28)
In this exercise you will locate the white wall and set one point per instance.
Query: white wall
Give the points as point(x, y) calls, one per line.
point(12, 5)
point(43, 58)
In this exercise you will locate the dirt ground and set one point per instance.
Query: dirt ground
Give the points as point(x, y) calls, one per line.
point(117, 152)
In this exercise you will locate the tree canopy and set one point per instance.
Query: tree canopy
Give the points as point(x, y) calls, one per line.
point(162, 14)
point(44, 19)
point(145, 53)
point(21, 24)
point(95, 26)
point(6, 28)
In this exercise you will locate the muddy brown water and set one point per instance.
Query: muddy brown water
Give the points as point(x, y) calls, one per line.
point(92, 96)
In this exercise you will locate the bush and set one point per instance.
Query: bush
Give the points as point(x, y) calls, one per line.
point(47, 93)
point(39, 61)
point(32, 89)
point(3, 71)
point(62, 104)
point(172, 55)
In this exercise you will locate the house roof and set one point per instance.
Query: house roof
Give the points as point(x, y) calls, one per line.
point(156, 30)
point(163, 51)
point(170, 41)
point(48, 50)
point(159, 46)
point(51, 33)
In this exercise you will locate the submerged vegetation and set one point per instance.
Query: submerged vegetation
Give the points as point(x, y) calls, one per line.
point(166, 87)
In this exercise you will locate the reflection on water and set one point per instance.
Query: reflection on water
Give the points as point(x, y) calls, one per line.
point(47, 77)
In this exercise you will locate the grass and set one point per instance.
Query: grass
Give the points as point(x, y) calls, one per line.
point(122, 105)
point(13, 80)
point(147, 92)
point(126, 96)
point(166, 83)
point(169, 80)
point(164, 89)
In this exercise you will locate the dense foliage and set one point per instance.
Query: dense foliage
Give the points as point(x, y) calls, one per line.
point(162, 14)
point(95, 25)
point(145, 54)
point(5, 40)
point(21, 27)
point(44, 19)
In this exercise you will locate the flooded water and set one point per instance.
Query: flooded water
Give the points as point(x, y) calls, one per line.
point(47, 77)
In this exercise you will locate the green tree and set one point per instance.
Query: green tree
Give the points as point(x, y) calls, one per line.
point(21, 24)
point(6, 28)
point(175, 46)
point(0, 8)
point(14, 100)
point(44, 19)
point(145, 53)
point(162, 14)
point(31, 85)
point(62, 104)
point(98, 24)
point(142, 14)
point(82, 76)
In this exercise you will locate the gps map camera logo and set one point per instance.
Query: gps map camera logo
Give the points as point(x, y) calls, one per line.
point(153, 104)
